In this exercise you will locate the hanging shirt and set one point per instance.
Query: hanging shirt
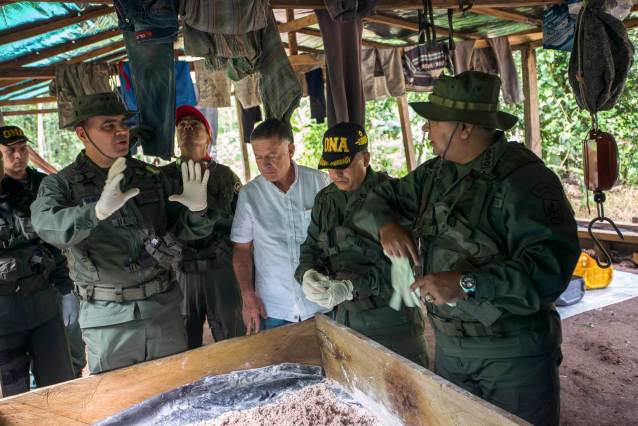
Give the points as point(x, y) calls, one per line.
point(184, 89)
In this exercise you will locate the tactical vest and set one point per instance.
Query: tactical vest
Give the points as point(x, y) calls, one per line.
point(147, 215)
point(25, 262)
point(341, 242)
point(451, 241)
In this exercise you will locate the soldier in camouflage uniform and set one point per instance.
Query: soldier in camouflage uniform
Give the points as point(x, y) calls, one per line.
point(205, 273)
point(33, 278)
point(495, 240)
point(343, 267)
point(118, 220)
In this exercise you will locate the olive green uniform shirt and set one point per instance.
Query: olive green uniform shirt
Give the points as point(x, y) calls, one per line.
point(503, 217)
point(111, 252)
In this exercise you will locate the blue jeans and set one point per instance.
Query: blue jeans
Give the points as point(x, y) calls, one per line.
point(152, 21)
point(269, 323)
point(152, 66)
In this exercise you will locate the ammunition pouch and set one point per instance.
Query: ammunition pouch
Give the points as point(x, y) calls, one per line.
point(25, 270)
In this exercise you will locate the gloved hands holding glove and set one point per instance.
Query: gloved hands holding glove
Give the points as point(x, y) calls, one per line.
point(194, 195)
point(325, 292)
point(402, 278)
point(112, 198)
point(70, 309)
point(313, 282)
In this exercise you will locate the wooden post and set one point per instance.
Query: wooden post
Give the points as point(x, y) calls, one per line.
point(42, 142)
point(530, 90)
point(406, 131)
point(292, 37)
point(244, 148)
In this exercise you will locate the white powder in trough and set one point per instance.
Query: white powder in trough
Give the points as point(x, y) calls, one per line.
point(314, 405)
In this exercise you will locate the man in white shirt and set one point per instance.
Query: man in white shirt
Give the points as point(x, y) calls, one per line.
point(271, 221)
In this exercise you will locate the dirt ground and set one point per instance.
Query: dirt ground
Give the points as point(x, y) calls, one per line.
point(599, 375)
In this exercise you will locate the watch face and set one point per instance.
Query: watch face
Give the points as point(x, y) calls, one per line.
point(468, 282)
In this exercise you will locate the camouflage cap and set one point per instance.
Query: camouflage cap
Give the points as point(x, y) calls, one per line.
point(87, 106)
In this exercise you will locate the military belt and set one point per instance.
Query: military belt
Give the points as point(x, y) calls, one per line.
point(115, 293)
point(456, 328)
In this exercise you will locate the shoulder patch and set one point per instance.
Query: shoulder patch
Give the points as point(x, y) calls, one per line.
point(552, 197)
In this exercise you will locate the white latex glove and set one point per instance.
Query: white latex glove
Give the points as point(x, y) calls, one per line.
point(70, 309)
point(112, 199)
point(194, 194)
point(336, 292)
point(313, 282)
point(402, 278)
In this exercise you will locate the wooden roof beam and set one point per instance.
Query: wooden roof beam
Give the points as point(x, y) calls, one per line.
point(381, 5)
point(23, 85)
point(413, 26)
point(32, 29)
point(97, 52)
point(508, 15)
point(298, 61)
point(414, 4)
point(305, 49)
point(29, 101)
point(57, 50)
point(48, 72)
point(298, 24)
point(29, 112)
point(120, 53)
point(365, 42)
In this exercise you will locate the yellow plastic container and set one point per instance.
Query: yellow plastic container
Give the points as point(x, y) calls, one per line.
point(593, 275)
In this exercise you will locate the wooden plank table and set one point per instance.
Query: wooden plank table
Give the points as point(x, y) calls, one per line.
point(413, 394)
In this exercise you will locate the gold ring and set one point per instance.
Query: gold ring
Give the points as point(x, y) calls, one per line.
point(428, 298)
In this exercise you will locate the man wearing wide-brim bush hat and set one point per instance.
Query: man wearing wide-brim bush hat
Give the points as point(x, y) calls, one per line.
point(494, 243)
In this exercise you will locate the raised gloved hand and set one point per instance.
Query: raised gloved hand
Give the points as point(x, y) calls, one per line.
point(402, 278)
point(70, 309)
point(313, 282)
point(194, 194)
point(112, 198)
point(336, 292)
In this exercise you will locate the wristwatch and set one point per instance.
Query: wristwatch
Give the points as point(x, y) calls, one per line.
point(468, 283)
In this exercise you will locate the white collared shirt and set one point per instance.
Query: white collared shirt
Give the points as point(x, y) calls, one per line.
point(277, 223)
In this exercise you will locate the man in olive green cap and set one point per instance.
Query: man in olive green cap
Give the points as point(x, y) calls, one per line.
point(342, 266)
point(494, 239)
point(34, 281)
point(113, 214)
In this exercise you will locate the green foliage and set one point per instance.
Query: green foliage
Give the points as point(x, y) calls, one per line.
point(62, 145)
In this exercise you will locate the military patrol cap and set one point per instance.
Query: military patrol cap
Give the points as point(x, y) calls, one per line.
point(341, 143)
point(87, 106)
point(11, 135)
point(469, 97)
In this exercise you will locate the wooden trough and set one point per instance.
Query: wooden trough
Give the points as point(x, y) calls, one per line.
point(415, 395)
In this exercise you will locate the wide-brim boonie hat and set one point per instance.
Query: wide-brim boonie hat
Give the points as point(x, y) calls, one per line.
point(470, 97)
point(87, 106)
